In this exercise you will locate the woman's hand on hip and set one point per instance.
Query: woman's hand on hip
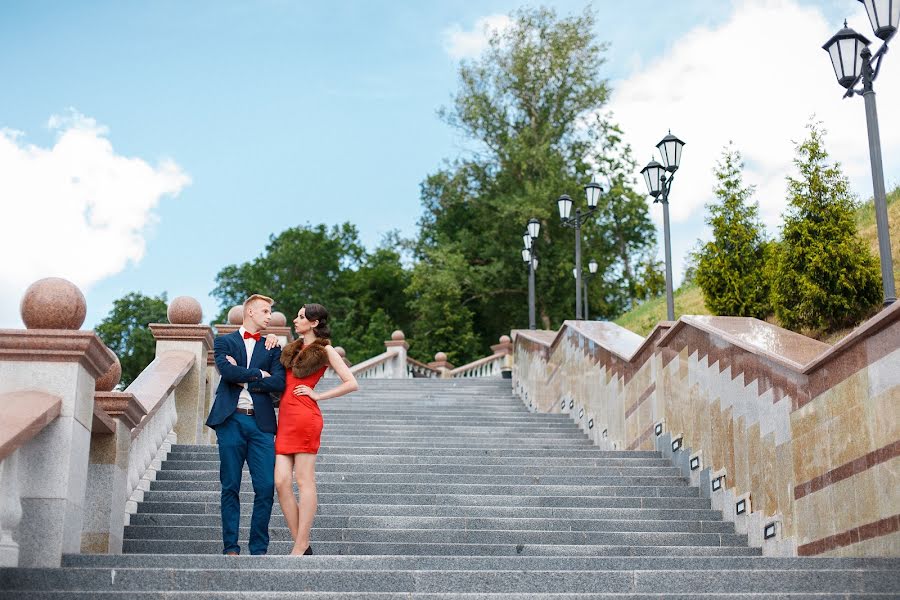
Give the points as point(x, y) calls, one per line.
point(305, 390)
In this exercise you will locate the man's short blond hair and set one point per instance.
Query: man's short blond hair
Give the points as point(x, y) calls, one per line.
point(256, 297)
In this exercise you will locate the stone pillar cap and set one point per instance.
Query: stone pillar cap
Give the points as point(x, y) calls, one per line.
point(53, 303)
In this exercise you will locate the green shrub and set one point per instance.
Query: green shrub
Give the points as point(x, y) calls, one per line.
point(730, 267)
point(825, 278)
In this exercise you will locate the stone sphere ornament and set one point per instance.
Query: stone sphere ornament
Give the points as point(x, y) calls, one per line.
point(53, 303)
point(109, 380)
point(184, 310)
point(440, 357)
point(504, 339)
point(278, 319)
point(398, 335)
point(236, 315)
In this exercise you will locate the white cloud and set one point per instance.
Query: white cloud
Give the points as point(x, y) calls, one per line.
point(76, 210)
point(459, 43)
point(755, 79)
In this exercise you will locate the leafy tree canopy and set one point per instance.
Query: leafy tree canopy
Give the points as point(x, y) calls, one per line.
point(126, 333)
point(531, 107)
point(731, 266)
point(824, 277)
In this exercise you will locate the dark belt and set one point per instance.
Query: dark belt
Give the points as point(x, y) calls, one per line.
point(245, 411)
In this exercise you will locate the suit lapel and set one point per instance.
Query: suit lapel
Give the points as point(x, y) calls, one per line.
point(242, 350)
point(259, 351)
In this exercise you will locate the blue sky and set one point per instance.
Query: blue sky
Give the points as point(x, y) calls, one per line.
point(258, 116)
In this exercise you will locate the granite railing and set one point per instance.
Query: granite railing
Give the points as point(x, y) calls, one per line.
point(796, 441)
point(74, 472)
point(26, 414)
point(415, 368)
point(395, 363)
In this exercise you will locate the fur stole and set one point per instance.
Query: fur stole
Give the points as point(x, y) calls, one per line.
point(302, 360)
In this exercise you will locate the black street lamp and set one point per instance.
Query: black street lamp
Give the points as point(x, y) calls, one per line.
point(529, 255)
point(852, 60)
point(659, 185)
point(592, 193)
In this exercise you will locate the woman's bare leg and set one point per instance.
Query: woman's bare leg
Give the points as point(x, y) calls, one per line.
point(284, 485)
point(305, 471)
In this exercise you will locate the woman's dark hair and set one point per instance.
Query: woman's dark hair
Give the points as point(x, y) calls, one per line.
point(317, 312)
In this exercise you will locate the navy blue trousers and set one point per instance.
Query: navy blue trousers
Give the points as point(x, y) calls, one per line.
point(240, 440)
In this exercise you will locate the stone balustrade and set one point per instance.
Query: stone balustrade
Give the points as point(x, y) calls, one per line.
point(796, 441)
point(49, 470)
point(75, 455)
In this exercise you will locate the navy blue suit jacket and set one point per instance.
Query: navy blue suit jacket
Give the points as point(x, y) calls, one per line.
point(234, 376)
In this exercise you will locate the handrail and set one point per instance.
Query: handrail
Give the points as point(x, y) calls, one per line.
point(156, 382)
point(367, 365)
point(415, 366)
point(463, 370)
point(26, 413)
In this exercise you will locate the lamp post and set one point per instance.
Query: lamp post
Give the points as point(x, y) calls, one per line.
point(592, 270)
point(659, 186)
point(529, 255)
point(592, 193)
point(853, 61)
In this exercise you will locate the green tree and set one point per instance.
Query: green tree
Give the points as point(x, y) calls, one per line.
point(330, 266)
point(528, 106)
point(125, 331)
point(300, 265)
point(443, 323)
point(378, 293)
point(627, 235)
point(731, 266)
point(825, 278)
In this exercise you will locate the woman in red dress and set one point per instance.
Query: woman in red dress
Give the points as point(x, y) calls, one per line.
point(300, 420)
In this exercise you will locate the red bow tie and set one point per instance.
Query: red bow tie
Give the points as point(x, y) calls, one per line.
point(248, 335)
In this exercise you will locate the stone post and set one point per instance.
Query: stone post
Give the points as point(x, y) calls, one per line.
point(277, 325)
point(397, 346)
point(505, 347)
point(118, 413)
point(212, 382)
point(441, 365)
point(184, 332)
point(54, 357)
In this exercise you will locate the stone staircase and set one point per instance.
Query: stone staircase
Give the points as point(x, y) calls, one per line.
point(451, 489)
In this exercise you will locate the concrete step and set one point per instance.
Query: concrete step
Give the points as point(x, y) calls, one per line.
point(441, 535)
point(212, 474)
point(456, 489)
point(176, 509)
point(210, 460)
point(327, 478)
point(458, 523)
point(285, 595)
point(479, 563)
point(203, 501)
point(443, 549)
point(439, 581)
point(463, 450)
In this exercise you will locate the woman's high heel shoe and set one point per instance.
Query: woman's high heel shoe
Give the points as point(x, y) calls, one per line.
point(308, 551)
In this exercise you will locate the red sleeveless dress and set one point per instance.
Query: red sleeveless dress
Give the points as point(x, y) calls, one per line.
point(299, 417)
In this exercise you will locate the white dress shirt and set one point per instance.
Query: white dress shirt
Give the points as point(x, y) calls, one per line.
point(245, 400)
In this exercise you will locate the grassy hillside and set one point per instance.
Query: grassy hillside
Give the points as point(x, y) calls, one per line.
point(689, 300)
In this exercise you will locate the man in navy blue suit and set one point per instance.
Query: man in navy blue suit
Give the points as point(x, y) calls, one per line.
point(244, 420)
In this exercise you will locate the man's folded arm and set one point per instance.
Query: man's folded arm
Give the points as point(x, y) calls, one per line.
point(275, 382)
point(230, 372)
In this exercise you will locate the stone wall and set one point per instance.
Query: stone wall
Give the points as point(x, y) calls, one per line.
point(806, 434)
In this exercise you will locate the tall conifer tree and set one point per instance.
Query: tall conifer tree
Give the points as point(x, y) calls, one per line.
point(825, 278)
point(731, 266)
